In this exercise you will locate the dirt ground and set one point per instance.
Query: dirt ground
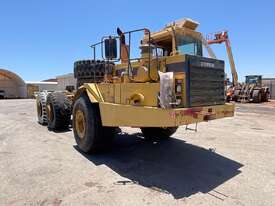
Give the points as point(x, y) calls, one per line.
point(226, 162)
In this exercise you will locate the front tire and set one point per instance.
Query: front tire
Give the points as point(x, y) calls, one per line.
point(90, 135)
point(257, 96)
point(158, 132)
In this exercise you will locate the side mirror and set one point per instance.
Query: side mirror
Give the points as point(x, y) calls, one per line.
point(110, 46)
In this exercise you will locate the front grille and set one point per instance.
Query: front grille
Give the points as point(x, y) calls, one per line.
point(206, 81)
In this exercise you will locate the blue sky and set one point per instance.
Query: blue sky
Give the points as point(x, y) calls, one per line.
point(42, 39)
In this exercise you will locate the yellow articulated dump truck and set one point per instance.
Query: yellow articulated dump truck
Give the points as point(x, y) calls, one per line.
point(169, 85)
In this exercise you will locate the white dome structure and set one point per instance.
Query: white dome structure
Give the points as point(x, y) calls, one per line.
point(11, 85)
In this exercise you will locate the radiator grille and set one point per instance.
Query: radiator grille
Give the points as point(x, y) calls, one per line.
point(206, 84)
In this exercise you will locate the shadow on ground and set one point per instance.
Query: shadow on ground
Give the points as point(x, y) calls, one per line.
point(172, 166)
point(60, 130)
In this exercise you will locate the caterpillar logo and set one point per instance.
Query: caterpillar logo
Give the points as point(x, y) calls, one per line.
point(207, 64)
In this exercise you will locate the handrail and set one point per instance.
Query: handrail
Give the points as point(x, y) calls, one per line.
point(129, 67)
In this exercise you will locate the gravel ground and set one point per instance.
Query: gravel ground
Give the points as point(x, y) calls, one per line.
point(226, 162)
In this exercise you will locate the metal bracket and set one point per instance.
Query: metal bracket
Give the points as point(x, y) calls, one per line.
point(195, 130)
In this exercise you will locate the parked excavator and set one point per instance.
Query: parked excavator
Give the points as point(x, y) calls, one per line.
point(250, 91)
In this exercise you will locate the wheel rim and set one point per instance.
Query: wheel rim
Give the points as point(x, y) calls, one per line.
point(80, 123)
point(39, 109)
point(50, 112)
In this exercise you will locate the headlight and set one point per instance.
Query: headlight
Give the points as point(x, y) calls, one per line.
point(178, 88)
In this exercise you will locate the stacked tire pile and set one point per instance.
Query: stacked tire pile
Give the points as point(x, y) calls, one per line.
point(91, 71)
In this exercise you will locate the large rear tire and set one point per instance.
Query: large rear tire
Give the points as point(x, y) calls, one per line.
point(58, 109)
point(158, 132)
point(90, 135)
point(41, 108)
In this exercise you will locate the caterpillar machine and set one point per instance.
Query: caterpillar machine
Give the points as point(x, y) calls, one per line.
point(250, 91)
point(170, 85)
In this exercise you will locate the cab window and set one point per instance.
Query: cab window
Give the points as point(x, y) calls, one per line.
point(189, 45)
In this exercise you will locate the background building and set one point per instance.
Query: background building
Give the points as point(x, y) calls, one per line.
point(65, 81)
point(59, 84)
point(270, 82)
point(11, 85)
point(38, 86)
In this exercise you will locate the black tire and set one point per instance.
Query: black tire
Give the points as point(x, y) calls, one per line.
point(158, 132)
point(257, 96)
point(41, 108)
point(90, 71)
point(86, 69)
point(265, 97)
point(58, 109)
point(117, 130)
point(90, 135)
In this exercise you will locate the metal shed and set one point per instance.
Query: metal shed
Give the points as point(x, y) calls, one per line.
point(270, 82)
point(65, 81)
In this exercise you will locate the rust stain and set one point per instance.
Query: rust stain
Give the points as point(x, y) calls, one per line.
point(192, 112)
point(227, 112)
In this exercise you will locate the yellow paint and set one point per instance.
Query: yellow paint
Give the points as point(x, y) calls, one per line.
point(148, 90)
point(92, 91)
point(123, 93)
point(136, 116)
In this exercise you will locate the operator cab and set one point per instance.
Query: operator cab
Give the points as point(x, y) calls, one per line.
point(176, 38)
point(253, 79)
point(189, 45)
point(184, 44)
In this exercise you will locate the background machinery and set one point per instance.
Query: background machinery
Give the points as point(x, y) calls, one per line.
point(169, 85)
point(222, 37)
point(250, 91)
